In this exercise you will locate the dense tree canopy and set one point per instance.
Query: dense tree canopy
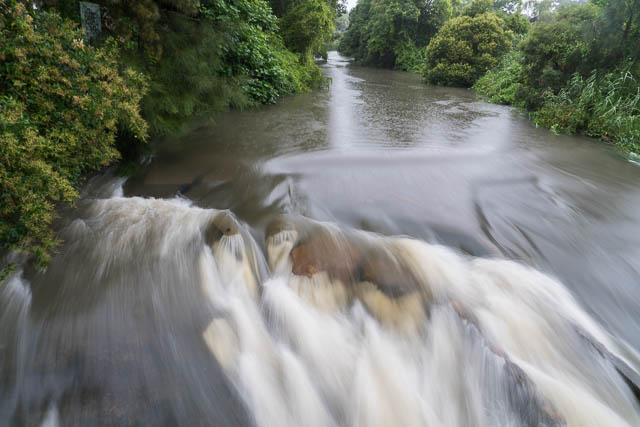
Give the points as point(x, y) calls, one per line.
point(308, 26)
point(392, 33)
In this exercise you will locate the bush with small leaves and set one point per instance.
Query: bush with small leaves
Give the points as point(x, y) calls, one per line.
point(62, 103)
point(466, 48)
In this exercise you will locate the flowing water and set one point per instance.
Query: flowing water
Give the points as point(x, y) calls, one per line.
point(382, 253)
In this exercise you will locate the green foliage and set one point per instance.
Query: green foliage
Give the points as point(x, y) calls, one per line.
point(189, 82)
point(341, 25)
point(478, 7)
point(205, 56)
point(5, 272)
point(519, 24)
point(254, 49)
point(553, 51)
point(409, 57)
point(544, 10)
point(282, 7)
point(308, 26)
point(606, 107)
point(61, 105)
point(568, 72)
point(465, 48)
point(353, 41)
point(391, 33)
point(137, 24)
point(502, 84)
point(388, 26)
point(394, 33)
point(618, 41)
point(436, 13)
point(508, 7)
point(547, 57)
point(231, 57)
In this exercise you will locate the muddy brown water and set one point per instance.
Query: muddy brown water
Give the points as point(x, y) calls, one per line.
point(111, 333)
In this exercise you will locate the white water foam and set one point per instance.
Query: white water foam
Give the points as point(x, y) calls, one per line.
point(303, 354)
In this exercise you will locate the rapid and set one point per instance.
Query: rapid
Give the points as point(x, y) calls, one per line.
point(380, 253)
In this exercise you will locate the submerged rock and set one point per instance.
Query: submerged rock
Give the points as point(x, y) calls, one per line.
point(326, 253)
point(234, 252)
point(406, 312)
point(223, 224)
point(381, 267)
point(332, 269)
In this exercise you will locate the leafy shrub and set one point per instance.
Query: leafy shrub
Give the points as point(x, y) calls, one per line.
point(502, 84)
point(61, 105)
point(606, 107)
point(466, 48)
point(553, 51)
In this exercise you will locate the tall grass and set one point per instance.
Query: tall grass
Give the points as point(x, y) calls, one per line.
point(606, 106)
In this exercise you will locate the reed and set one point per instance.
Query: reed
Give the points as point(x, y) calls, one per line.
point(604, 106)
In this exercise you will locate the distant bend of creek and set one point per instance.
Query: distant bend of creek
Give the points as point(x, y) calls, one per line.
point(379, 253)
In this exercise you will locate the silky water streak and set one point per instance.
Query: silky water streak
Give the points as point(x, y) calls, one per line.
point(352, 328)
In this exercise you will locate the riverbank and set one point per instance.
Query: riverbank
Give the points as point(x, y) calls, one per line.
point(74, 100)
point(604, 106)
point(575, 68)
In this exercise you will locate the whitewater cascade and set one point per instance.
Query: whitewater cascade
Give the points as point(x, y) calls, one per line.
point(306, 324)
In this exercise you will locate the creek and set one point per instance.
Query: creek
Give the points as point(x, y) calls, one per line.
point(379, 253)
